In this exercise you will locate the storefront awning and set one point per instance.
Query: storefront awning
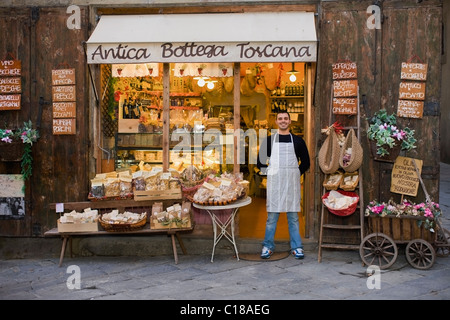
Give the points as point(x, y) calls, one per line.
point(233, 37)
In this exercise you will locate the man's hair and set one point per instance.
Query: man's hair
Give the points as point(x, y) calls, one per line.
point(284, 112)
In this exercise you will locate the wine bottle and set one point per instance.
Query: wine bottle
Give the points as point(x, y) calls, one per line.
point(125, 110)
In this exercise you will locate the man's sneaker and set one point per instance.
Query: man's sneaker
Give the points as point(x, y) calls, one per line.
point(266, 253)
point(298, 253)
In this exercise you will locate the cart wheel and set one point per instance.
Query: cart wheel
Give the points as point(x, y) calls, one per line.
point(378, 249)
point(420, 254)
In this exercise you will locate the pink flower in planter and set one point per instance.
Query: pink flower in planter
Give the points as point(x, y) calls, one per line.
point(399, 135)
point(419, 206)
point(378, 209)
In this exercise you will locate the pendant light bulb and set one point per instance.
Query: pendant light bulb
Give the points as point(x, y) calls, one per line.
point(210, 85)
point(292, 73)
point(201, 82)
point(292, 78)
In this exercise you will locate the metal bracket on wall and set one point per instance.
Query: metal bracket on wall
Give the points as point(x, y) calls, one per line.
point(35, 14)
point(431, 108)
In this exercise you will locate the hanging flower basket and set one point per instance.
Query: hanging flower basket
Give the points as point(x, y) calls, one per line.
point(386, 139)
point(16, 146)
point(11, 151)
point(393, 152)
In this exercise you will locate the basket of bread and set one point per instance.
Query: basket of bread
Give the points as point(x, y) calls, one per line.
point(332, 181)
point(221, 190)
point(118, 222)
point(349, 181)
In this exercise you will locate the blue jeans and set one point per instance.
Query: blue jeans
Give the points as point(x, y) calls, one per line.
point(293, 226)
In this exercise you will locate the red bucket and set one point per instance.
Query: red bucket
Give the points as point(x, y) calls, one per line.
point(343, 212)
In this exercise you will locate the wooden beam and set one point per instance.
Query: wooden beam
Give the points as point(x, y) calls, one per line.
point(205, 8)
point(165, 115)
point(237, 114)
point(308, 182)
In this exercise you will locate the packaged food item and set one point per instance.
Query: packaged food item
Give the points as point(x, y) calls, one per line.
point(126, 186)
point(185, 210)
point(157, 208)
point(163, 183)
point(152, 181)
point(87, 216)
point(138, 181)
point(97, 188)
point(112, 187)
point(174, 184)
point(114, 217)
point(176, 215)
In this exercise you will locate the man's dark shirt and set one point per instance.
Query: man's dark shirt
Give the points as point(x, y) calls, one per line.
point(301, 151)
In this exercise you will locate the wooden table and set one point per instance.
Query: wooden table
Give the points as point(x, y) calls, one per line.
point(224, 225)
point(67, 236)
point(121, 205)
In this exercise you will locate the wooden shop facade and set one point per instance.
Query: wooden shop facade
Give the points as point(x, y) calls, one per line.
point(107, 87)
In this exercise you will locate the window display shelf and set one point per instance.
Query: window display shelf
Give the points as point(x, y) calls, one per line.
point(287, 97)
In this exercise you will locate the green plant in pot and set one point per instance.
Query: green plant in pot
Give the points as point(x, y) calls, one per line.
point(385, 134)
point(25, 135)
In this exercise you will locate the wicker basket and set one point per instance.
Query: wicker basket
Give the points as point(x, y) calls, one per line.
point(123, 227)
point(329, 153)
point(189, 188)
point(356, 158)
point(216, 203)
point(352, 186)
point(332, 185)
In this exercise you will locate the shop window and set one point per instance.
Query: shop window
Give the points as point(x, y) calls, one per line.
point(201, 113)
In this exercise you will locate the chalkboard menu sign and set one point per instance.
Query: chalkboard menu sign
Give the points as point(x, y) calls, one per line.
point(10, 84)
point(412, 90)
point(345, 88)
point(64, 101)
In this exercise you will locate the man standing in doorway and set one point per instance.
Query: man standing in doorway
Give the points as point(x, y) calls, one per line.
point(282, 151)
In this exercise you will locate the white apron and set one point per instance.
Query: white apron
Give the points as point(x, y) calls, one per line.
point(283, 178)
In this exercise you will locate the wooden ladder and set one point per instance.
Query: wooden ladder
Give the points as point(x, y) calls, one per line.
point(340, 226)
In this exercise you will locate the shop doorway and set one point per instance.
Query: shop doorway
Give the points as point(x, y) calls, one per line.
point(289, 93)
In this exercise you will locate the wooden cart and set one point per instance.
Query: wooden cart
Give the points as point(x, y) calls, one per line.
point(379, 247)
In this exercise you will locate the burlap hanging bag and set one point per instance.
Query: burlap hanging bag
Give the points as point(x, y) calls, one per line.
point(329, 153)
point(351, 156)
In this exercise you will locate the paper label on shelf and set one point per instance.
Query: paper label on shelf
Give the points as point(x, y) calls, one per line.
point(60, 207)
point(225, 182)
point(208, 186)
point(166, 175)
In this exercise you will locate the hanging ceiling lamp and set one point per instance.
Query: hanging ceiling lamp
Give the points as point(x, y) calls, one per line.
point(210, 84)
point(201, 81)
point(292, 73)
